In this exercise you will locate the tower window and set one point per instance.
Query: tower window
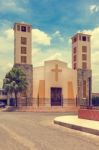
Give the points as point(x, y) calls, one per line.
point(23, 28)
point(23, 50)
point(23, 59)
point(84, 49)
point(84, 57)
point(84, 89)
point(84, 65)
point(83, 38)
point(18, 27)
point(74, 57)
point(75, 49)
point(23, 40)
point(75, 39)
point(74, 65)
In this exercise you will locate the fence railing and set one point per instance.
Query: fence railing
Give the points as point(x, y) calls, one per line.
point(45, 102)
point(49, 103)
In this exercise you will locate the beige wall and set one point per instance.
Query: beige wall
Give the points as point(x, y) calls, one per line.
point(45, 73)
point(38, 74)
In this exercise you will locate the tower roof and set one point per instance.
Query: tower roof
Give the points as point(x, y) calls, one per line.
point(80, 33)
point(22, 23)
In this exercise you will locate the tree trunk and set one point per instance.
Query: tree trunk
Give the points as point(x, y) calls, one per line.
point(8, 99)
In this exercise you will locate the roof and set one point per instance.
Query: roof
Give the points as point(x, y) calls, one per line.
point(22, 23)
point(80, 33)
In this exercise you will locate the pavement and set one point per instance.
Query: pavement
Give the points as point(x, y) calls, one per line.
point(76, 123)
point(37, 131)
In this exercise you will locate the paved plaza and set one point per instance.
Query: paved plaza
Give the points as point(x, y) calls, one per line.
point(36, 131)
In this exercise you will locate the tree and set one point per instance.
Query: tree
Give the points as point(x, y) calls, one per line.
point(15, 82)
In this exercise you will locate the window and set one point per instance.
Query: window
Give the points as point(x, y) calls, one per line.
point(84, 89)
point(23, 40)
point(18, 27)
point(74, 57)
point(74, 65)
point(84, 65)
point(23, 50)
point(29, 29)
point(75, 49)
point(23, 59)
point(75, 39)
point(83, 38)
point(84, 57)
point(23, 28)
point(84, 49)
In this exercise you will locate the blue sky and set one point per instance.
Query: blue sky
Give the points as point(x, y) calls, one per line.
point(53, 21)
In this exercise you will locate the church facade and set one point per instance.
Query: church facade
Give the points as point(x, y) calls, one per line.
point(54, 84)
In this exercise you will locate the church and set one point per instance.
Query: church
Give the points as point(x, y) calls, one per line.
point(54, 84)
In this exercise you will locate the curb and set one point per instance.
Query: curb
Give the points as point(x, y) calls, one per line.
point(76, 127)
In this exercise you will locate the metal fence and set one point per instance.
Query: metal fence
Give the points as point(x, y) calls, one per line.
point(45, 102)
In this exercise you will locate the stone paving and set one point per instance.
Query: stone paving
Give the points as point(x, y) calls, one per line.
point(36, 131)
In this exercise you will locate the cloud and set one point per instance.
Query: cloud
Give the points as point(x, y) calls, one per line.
point(6, 52)
point(40, 37)
point(11, 6)
point(70, 41)
point(95, 58)
point(39, 56)
point(9, 34)
point(58, 35)
point(6, 40)
point(94, 8)
point(56, 56)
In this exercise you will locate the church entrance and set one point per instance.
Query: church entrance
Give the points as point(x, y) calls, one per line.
point(56, 96)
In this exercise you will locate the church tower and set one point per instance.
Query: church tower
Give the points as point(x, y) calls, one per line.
point(23, 56)
point(81, 61)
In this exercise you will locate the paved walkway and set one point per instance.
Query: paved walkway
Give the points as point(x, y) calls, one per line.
point(78, 124)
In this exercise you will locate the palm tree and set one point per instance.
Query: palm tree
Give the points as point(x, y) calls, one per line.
point(8, 88)
point(15, 82)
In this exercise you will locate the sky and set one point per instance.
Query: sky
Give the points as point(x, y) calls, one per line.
point(54, 22)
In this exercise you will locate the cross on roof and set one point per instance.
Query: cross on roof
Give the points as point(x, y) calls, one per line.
point(56, 70)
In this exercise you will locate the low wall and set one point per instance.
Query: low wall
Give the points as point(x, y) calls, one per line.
point(90, 114)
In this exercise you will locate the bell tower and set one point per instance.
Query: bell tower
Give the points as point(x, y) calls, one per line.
point(23, 56)
point(22, 44)
point(81, 61)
